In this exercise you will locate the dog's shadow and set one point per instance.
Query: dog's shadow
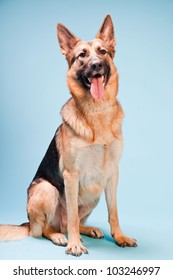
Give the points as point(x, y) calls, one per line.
point(108, 237)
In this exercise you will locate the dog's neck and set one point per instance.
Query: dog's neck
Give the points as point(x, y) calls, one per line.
point(103, 117)
point(90, 106)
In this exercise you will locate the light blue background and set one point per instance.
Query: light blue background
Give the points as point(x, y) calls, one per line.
point(33, 89)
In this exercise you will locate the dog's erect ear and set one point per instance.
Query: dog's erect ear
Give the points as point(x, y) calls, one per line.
point(106, 34)
point(67, 40)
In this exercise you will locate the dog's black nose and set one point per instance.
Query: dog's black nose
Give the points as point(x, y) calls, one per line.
point(96, 66)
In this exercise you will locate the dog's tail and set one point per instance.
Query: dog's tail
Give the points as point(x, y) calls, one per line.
point(11, 232)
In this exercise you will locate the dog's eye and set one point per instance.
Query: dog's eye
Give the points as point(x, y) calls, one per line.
point(82, 54)
point(102, 51)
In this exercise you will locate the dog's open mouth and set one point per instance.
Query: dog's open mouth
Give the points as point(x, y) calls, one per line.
point(96, 85)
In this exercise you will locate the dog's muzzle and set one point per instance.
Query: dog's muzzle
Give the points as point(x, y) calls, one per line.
point(95, 77)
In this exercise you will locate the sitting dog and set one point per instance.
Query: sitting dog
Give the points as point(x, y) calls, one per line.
point(83, 157)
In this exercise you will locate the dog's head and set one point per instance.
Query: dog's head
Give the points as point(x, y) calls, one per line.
point(91, 72)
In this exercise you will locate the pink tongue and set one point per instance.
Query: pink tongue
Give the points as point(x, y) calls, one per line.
point(97, 89)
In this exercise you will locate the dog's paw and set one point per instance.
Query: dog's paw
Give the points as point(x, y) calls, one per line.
point(91, 231)
point(124, 241)
point(94, 232)
point(76, 249)
point(59, 239)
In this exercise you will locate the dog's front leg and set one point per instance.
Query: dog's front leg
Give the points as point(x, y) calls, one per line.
point(111, 199)
point(71, 182)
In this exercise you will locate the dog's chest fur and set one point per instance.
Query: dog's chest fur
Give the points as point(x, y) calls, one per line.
point(96, 165)
point(94, 161)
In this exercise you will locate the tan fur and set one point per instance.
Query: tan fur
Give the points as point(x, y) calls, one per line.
point(90, 143)
point(11, 232)
point(91, 231)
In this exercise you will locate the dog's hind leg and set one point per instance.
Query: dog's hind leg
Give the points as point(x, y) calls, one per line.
point(43, 201)
point(91, 231)
point(56, 237)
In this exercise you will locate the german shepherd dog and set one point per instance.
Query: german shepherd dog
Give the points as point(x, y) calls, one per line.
point(82, 159)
